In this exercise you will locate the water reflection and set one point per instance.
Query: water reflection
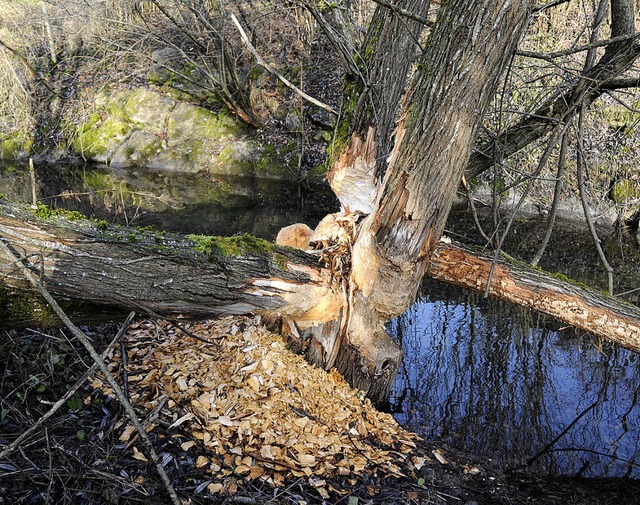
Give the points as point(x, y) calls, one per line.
point(487, 378)
point(189, 203)
point(496, 382)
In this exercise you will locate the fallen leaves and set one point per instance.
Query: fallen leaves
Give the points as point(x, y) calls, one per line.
point(255, 410)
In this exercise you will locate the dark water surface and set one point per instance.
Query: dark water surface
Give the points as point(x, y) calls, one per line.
point(492, 380)
point(499, 382)
point(187, 203)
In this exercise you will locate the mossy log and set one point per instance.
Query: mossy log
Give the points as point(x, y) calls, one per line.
point(208, 277)
point(160, 273)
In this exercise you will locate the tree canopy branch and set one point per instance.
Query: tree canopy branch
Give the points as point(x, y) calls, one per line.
point(404, 12)
point(578, 49)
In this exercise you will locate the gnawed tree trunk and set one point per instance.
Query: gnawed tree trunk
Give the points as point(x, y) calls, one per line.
point(390, 48)
point(520, 284)
point(456, 79)
point(77, 262)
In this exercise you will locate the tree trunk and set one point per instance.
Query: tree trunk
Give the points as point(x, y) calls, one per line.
point(165, 274)
point(390, 48)
point(520, 284)
point(456, 79)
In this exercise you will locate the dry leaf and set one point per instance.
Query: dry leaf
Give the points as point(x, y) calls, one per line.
point(215, 488)
point(183, 419)
point(187, 445)
point(306, 460)
point(126, 434)
point(225, 421)
point(439, 456)
point(202, 461)
point(138, 455)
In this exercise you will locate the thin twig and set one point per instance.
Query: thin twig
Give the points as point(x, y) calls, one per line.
point(578, 49)
point(585, 204)
point(556, 201)
point(404, 12)
point(63, 399)
point(275, 73)
point(549, 5)
point(125, 376)
point(86, 342)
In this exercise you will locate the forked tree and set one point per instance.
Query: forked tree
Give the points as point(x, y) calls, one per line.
point(456, 78)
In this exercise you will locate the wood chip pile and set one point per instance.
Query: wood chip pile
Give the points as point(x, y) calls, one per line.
point(254, 409)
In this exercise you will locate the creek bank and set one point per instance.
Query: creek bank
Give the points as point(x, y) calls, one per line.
point(91, 428)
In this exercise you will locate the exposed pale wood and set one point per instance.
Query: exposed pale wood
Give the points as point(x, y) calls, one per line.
point(163, 274)
point(353, 177)
point(520, 284)
point(458, 74)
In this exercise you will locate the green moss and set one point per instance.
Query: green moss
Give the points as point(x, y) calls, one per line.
point(102, 225)
point(20, 305)
point(100, 138)
point(230, 246)
point(624, 190)
point(15, 145)
point(281, 261)
point(617, 116)
point(44, 212)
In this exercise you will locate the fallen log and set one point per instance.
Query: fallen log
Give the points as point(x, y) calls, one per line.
point(194, 276)
point(520, 284)
point(212, 276)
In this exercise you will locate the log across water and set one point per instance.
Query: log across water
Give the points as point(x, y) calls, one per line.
point(208, 277)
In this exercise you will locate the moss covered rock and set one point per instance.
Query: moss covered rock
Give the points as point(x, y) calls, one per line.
point(15, 146)
point(141, 127)
point(625, 190)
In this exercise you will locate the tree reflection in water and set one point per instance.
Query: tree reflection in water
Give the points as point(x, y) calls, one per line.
point(501, 383)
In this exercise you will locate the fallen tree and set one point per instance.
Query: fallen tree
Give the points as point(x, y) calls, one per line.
point(211, 276)
point(339, 300)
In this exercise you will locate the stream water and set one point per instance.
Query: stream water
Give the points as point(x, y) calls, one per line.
point(495, 381)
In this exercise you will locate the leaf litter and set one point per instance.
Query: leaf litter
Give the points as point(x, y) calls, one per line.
point(252, 409)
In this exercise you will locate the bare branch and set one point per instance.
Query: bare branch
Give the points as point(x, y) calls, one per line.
point(56, 406)
point(550, 5)
point(275, 73)
point(404, 12)
point(578, 49)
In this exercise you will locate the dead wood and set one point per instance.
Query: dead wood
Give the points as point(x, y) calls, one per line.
point(167, 275)
point(520, 284)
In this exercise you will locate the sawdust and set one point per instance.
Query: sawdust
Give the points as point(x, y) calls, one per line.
point(255, 410)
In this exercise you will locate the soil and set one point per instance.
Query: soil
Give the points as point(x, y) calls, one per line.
point(81, 454)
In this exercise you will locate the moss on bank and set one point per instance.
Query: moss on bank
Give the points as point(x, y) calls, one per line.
point(16, 145)
point(18, 305)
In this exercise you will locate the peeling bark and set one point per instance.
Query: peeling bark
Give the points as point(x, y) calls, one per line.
point(457, 77)
point(522, 285)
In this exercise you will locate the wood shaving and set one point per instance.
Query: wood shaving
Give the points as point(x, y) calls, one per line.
point(254, 409)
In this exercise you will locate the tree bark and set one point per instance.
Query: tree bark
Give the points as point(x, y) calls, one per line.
point(390, 48)
point(457, 77)
point(166, 274)
point(520, 284)
point(77, 262)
